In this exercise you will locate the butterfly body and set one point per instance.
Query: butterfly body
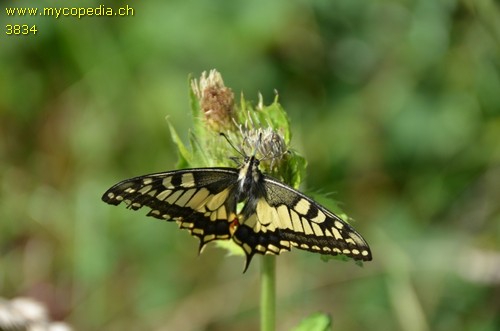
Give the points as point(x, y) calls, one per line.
point(259, 213)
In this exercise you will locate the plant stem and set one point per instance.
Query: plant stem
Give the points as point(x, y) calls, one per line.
point(268, 293)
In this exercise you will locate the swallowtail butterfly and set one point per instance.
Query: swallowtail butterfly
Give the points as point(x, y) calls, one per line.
point(259, 213)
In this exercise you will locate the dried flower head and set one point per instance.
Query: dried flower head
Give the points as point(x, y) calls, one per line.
point(216, 100)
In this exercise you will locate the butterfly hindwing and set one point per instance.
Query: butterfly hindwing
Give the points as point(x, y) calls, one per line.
point(197, 199)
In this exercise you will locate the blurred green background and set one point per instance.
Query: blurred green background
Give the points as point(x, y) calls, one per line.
point(395, 105)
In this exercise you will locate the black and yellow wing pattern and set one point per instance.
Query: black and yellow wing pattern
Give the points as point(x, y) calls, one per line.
point(259, 213)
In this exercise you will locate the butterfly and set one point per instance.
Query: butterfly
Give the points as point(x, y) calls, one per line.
point(259, 213)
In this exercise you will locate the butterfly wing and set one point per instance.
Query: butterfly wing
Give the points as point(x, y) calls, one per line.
point(199, 200)
point(274, 219)
point(285, 218)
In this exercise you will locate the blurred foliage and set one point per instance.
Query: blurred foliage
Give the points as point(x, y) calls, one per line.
point(315, 322)
point(394, 104)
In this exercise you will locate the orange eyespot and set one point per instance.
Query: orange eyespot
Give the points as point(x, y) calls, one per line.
point(234, 225)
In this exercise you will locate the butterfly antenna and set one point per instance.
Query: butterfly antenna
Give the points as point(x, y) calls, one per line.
point(231, 144)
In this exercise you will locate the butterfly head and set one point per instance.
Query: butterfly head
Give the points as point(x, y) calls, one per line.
point(249, 171)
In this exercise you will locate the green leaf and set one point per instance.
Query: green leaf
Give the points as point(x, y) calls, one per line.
point(315, 322)
point(294, 169)
point(185, 156)
point(277, 117)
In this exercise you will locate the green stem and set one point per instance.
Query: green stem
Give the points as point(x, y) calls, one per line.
point(268, 293)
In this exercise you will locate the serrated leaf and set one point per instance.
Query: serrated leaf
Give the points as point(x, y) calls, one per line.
point(275, 115)
point(295, 169)
point(185, 156)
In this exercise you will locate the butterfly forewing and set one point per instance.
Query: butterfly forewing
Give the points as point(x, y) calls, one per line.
point(286, 218)
point(197, 199)
point(308, 225)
